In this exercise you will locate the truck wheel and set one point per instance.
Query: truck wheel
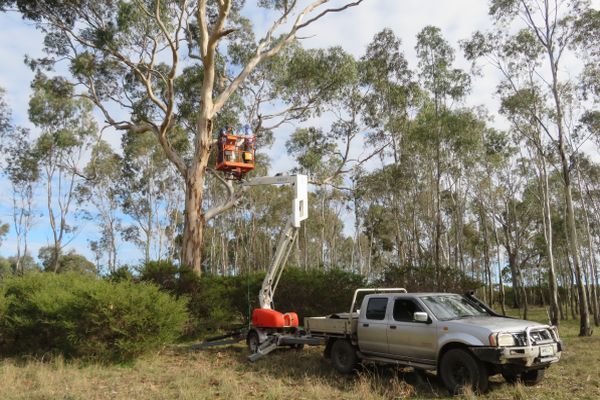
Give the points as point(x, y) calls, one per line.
point(531, 378)
point(511, 377)
point(459, 369)
point(253, 342)
point(343, 356)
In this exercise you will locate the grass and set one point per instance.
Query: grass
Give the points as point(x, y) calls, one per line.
point(178, 373)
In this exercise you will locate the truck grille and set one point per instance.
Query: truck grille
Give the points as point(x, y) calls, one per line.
point(539, 336)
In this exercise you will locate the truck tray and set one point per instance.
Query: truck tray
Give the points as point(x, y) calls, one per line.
point(334, 324)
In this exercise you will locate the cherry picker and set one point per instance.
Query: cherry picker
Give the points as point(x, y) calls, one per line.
point(271, 329)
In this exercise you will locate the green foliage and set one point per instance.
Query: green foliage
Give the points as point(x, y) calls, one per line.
point(316, 291)
point(120, 274)
point(423, 279)
point(220, 302)
point(436, 57)
point(223, 302)
point(4, 228)
point(5, 269)
point(226, 301)
point(175, 279)
point(311, 147)
point(83, 316)
point(69, 262)
point(4, 115)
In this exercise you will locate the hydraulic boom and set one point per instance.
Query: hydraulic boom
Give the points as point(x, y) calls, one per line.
point(298, 214)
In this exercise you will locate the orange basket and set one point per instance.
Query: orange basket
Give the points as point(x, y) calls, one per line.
point(235, 154)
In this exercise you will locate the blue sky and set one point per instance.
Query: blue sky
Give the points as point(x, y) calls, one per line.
point(352, 29)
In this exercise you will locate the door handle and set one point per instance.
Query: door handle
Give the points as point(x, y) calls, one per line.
point(366, 325)
point(392, 326)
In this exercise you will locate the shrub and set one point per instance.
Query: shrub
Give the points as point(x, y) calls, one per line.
point(317, 292)
point(120, 274)
point(82, 316)
point(222, 302)
point(175, 279)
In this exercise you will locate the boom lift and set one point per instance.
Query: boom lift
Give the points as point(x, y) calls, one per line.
point(271, 329)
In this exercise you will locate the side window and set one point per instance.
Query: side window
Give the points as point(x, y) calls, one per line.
point(404, 310)
point(376, 308)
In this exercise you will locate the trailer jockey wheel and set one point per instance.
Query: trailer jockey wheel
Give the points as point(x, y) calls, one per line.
point(253, 342)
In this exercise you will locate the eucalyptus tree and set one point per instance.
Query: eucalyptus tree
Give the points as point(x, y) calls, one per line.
point(391, 95)
point(330, 155)
point(583, 165)
point(101, 189)
point(67, 133)
point(132, 54)
point(23, 172)
point(521, 107)
point(4, 127)
point(546, 34)
point(21, 169)
point(445, 85)
point(494, 161)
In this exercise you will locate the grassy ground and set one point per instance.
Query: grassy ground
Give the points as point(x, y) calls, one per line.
point(178, 373)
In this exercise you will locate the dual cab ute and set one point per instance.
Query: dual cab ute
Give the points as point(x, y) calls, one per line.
point(457, 335)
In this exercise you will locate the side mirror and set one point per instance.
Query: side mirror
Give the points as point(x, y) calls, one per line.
point(421, 316)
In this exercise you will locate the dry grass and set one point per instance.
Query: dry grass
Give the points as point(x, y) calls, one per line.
point(178, 373)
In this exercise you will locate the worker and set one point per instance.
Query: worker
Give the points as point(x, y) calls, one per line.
point(248, 145)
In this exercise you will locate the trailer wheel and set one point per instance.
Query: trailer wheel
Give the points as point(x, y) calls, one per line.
point(253, 342)
point(343, 356)
point(459, 369)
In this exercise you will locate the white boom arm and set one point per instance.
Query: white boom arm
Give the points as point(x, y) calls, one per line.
point(288, 235)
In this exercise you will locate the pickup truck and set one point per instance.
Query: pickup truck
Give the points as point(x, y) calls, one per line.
point(457, 335)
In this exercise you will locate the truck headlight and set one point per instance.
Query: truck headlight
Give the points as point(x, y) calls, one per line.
point(502, 340)
point(555, 330)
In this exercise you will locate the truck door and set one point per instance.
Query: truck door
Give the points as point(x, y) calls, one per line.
point(372, 326)
point(407, 338)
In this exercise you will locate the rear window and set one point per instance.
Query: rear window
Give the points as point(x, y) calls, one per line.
point(376, 308)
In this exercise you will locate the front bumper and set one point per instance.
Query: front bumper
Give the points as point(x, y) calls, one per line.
point(528, 357)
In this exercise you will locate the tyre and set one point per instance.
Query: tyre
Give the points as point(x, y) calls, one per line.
point(343, 356)
point(253, 342)
point(510, 377)
point(460, 370)
point(531, 378)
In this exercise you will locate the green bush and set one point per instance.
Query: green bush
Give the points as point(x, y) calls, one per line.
point(316, 292)
point(175, 279)
point(222, 302)
point(82, 316)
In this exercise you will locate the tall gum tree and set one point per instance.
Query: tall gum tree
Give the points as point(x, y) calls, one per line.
point(131, 55)
point(546, 33)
